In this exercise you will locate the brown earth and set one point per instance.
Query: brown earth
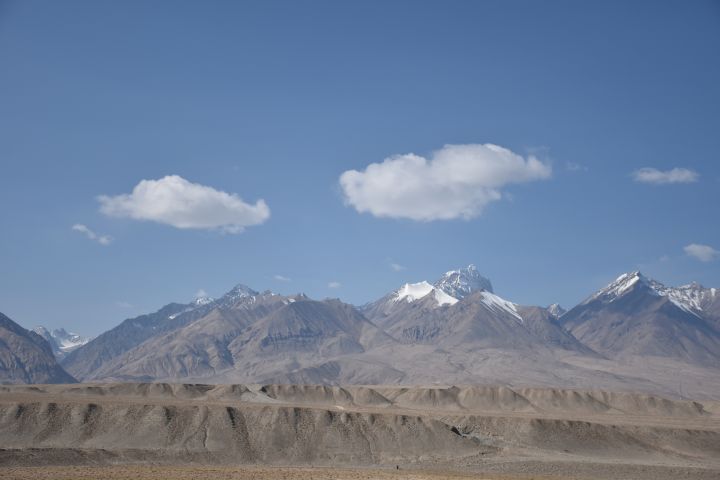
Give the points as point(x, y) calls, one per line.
point(241, 431)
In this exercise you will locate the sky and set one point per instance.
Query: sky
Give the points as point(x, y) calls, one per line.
point(151, 151)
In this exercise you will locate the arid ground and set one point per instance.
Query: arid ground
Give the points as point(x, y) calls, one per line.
point(301, 432)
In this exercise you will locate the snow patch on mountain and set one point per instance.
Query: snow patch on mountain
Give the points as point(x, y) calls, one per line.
point(443, 298)
point(415, 291)
point(500, 304)
point(61, 340)
point(688, 297)
point(199, 301)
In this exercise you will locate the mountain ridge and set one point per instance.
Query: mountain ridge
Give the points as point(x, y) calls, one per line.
point(419, 334)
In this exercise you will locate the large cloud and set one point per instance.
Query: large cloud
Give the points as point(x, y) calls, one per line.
point(172, 200)
point(704, 253)
point(659, 177)
point(457, 181)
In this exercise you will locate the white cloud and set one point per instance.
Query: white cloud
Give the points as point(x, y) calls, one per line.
point(397, 267)
point(281, 278)
point(123, 304)
point(101, 239)
point(659, 177)
point(457, 181)
point(201, 293)
point(334, 285)
point(174, 201)
point(704, 253)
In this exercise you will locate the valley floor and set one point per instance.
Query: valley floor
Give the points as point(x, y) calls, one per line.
point(507, 471)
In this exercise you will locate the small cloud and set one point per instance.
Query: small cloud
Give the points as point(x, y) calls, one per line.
point(121, 304)
point(575, 167)
point(334, 285)
point(281, 278)
point(396, 267)
point(659, 177)
point(96, 237)
point(457, 181)
point(174, 201)
point(704, 253)
point(201, 293)
point(664, 258)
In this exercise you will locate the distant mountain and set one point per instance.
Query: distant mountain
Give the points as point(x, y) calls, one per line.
point(637, 316)
point(61, 341)
point(91, 357)
point(474, 318)
point(456, 329)
point(245, 332)
point(448, 290)
point(25, 357)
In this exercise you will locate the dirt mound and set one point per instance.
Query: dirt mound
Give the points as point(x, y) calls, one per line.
point(309, 394)
point(643, 404)
point(317, 425)
point(367, 397)
point(493, 399)
point(593, 439)
point(255, 434)
point(539, 400)
point(435, 398)
point(464, 399)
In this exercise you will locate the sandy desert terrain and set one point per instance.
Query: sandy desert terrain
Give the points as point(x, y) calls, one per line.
point(288, 431)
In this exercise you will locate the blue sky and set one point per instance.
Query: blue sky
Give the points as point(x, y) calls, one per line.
point(274, 101)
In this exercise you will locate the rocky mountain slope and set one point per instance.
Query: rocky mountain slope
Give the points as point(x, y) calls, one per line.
point(264, 334)
point(25, 357)
point(130, 333)
point(637, 316)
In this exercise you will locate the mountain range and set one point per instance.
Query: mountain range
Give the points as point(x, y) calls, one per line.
point(634, 334)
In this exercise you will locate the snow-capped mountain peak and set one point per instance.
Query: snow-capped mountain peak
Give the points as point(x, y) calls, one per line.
point(415, 291)
point(556, 310)
point(621, 285)
point(690, 298)
point(463, 281)
point(241, 290)
point(199, 301)
point(61, 341)
point(239, 293)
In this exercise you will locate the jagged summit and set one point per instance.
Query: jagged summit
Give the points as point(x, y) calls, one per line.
point(691, 297)
point(452, 287)
point(621, 285)
point(556, 310)
point(61, 341)
point(242, 290)
point(463, 281)
point(199, 301)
